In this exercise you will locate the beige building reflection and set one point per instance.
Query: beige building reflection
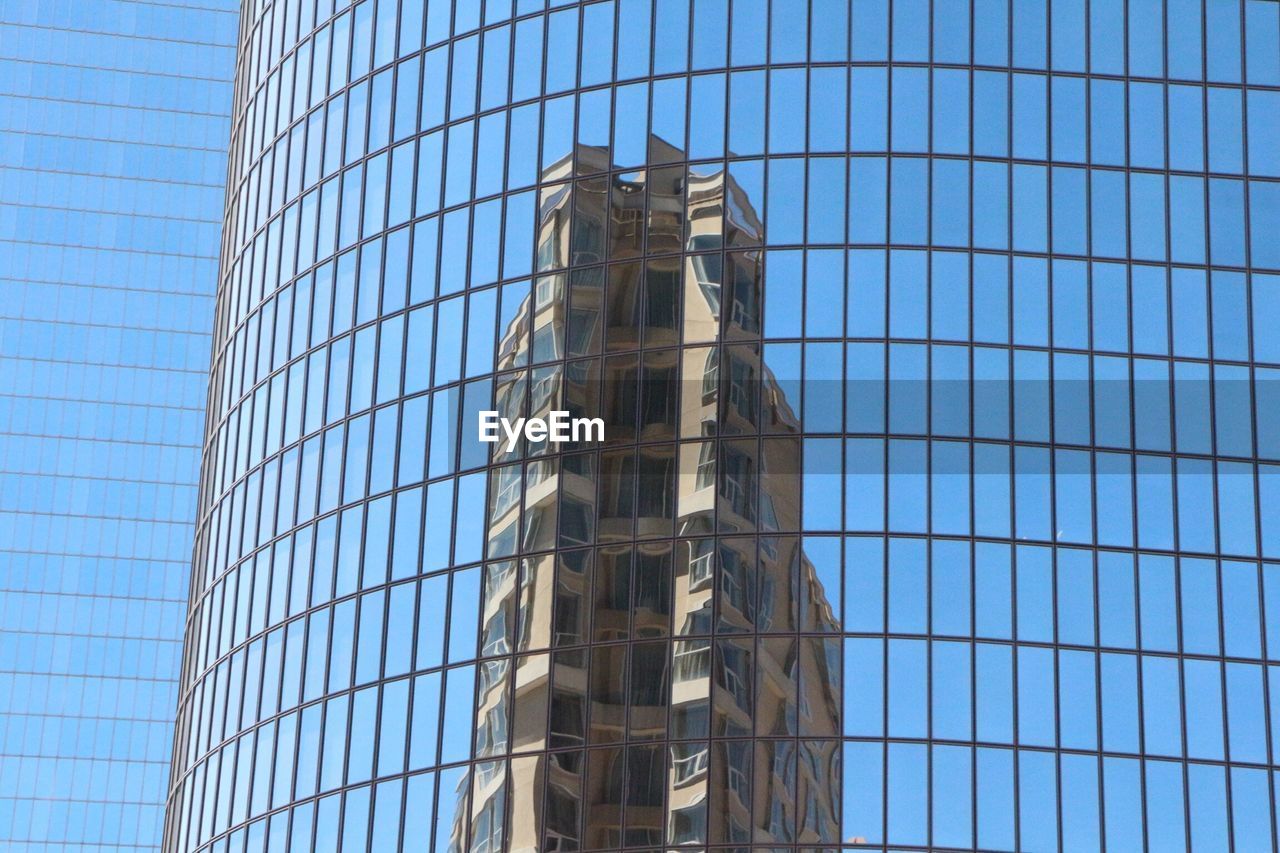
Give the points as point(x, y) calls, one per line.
point(655, 672)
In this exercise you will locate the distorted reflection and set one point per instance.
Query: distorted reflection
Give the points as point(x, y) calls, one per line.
point(626, 216)
point(669, 614)
point(586, 297)
point(665, 230)
point(553, 227)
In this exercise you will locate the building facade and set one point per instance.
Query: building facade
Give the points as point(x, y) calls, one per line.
point(936, 347)
point(113, 127)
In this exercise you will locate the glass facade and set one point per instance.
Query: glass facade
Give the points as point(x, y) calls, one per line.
point(939, 504)
point(114, 116)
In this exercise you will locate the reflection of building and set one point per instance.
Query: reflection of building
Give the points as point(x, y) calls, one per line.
point(612, 736)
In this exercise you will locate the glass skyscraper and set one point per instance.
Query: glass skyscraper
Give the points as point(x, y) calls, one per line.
point(937, 344)
point(113, 127)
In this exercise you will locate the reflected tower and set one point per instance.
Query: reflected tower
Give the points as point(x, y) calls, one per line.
point(933, 345)
point(671, 679)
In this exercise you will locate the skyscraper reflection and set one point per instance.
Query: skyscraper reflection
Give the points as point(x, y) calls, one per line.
point(688, 688)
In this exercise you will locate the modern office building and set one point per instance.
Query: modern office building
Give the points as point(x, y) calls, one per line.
point(937, 348)
point(114, 116)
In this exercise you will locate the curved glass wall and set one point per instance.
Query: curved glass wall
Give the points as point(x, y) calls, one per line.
point(935, 343)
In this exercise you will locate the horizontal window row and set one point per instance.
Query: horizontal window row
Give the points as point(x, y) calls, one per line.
point(101, 465)
point(898, 792)
point(64, 627)
point(336, 639)
point(902, 484)
point(63, 333)
point(179, 165)
point(216, 21)
point(91, 776)
point(907, 589)
point(116, 824)
point(84, 421)
point(693, 35)
point(188, 96)
point(342, 552)
point(506, 63)
point(75, 576)
point(104, 193)
point(1049, 304)
point(919, 590)
point(349, 739)
point(434, 266)
point(1134, 704)
point(104, 386)
point(104, 271)
point(888, 201)
point(902, 293)
point(209, 56)
point(917, 794)
point(78, 493)
point(339, 295)
point(781, 687)
point(232, 612)
point(1027, 301)
point(315, 824)
point(728, 115)
point(819, 110)
point(54, 533)
point(149, 698)
point(1039, 494)
point(332, 469)
point(869, 389)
